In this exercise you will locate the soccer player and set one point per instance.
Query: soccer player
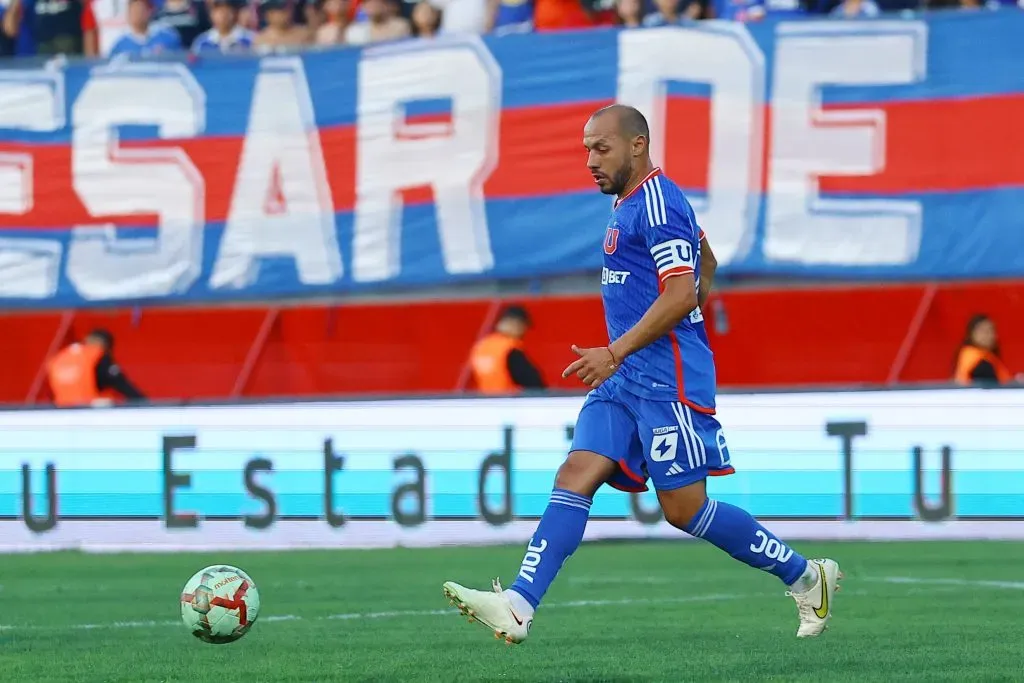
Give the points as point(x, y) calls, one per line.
point(650, 414)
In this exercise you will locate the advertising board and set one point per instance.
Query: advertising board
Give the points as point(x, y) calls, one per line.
point(880, 465)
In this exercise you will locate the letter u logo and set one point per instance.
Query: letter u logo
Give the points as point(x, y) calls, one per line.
point(611, 240)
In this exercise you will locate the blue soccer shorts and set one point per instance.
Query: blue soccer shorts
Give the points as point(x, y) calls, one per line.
point(667, 442)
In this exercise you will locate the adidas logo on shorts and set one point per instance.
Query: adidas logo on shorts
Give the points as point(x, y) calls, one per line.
point(674, 469)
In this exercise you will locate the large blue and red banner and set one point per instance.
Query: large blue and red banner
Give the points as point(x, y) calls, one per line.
point(842, 149)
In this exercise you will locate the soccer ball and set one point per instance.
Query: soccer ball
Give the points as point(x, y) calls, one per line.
point(219, 604)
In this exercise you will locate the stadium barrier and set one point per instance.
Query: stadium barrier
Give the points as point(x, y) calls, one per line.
point(351, 348)
point(929, 464)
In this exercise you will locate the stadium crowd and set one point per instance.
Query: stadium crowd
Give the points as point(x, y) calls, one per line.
point(107, 28)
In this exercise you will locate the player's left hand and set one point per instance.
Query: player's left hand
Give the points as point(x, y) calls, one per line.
point(593, 366)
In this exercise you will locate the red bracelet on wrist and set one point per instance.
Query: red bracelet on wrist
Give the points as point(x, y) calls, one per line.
point(615, 361)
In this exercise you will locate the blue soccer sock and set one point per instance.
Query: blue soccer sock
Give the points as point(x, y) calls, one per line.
point(556, 538)
point(733, 530)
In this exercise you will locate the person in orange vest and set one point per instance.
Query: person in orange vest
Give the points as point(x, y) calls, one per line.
point(979, 360)
point(499, 364)
point(85, 374)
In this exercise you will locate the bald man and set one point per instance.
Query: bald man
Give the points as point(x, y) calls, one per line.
point(650, 414)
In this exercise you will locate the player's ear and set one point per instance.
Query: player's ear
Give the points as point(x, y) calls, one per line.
point(639, 146)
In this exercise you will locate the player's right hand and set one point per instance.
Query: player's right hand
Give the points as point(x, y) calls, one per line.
point(593, 366)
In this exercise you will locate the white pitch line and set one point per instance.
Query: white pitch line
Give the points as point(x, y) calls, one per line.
point(635, 581)
point(713, 597)
point(394, 614)
point(970, 583)
point(88, 627)
point(625, 602)
point(910, 580)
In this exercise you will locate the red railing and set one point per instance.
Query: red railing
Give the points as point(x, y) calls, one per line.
point(781, 337)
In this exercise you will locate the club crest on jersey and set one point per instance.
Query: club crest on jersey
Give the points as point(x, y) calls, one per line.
point(611, 240)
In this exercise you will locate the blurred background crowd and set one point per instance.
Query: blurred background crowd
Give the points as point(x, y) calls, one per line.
point(953, 144)
point(105, 28)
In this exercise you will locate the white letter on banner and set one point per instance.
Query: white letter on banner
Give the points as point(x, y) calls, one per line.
point(453, 158)
point(282, 204)
point(808, 141)
point(113, 181)
point(728, 59)
point(33, 101)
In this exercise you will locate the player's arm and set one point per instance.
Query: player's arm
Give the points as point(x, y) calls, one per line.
point(708, 265)
point(672, 236)
point(677, 300)
point(673, 241)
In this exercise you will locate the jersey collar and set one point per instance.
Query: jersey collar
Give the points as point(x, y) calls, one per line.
point(618, 202)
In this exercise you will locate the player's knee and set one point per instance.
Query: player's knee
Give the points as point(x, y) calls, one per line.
point(583, 472)
point(681, 516)
point(682, 505)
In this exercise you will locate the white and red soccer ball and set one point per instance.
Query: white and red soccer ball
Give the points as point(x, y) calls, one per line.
point(219, 604)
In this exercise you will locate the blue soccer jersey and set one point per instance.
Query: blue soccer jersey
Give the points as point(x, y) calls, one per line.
point(158, 40)
point(651, 237)
point(238, 40)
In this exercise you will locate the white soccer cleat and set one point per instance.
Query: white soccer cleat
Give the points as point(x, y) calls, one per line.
point(492, 609)
point(815, 604)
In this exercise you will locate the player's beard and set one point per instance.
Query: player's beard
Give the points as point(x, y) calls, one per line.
point(619, 181)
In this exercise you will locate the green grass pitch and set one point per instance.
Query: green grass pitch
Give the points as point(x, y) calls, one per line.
point(619, 612)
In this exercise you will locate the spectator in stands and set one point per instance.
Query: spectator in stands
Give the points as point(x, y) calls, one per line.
point(56, 27)
point(313, 16)
point(188, 17)
point(20, 43)
point(509, 16)
point(252, 15)
point(560, 15)
point(336, 19)
point(631, 13)
point(226, 35)
point(111, 22)
point(426, 20)
point(85, 374)
point(8, 45)
point(668, 12)
point(736, 10)
point(856, 9)
point(972, 4)
point(281, 30)
point(990, 4)
point(498, 362)
point(753, 10)
point(463, 16)
point(383, 23)
point(601, 12)
point(145, 37)
point(16, 35)
point(979, 360)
